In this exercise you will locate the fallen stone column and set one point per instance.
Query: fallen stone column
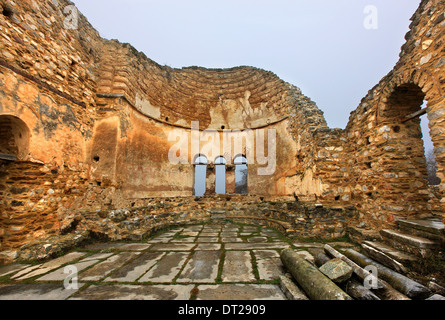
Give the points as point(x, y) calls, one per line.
point(321, 259)
point(315, 284)
point(359, 292)
point(383, 289)
point(399, 282)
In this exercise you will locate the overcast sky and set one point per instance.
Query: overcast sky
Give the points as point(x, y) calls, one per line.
point(320, 46)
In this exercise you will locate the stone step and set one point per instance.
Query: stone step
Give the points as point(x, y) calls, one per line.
point(397, 260)
point(430, 229)
point(410, 243)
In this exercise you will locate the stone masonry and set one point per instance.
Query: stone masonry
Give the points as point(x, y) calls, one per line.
point(86, 126)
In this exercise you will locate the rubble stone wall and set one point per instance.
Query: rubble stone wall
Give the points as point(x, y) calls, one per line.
point(87, 126)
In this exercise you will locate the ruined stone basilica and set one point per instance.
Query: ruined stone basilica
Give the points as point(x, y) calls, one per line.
point(86, 126)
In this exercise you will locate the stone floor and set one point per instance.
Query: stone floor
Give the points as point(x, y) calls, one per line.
point(203, 262)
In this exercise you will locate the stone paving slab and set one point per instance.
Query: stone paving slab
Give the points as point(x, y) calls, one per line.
point(202, 267)
point(119, 246)
point(242, 292)
point(136, 268)
point(173, 247)
point(183, 240)
point(232, 240)
point(97, 256)
point(190, 233)
point(193, 228)
point(253, 246)
point(207, 239)
point(229, 234)
point(167, 268)
point(51, 265)
point(104, 268)
point(208, 246)
point(7, 270)
point(209, 234)
point(135, 292)
point(25, 271)
point(43, 291)
point(257, 239)
point(237, 267)
point(60, 275)
point(269, 264)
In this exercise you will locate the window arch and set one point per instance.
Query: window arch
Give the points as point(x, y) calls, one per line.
point(14, 138)
point(241, 177)
point(220, 173)
point(200, 175)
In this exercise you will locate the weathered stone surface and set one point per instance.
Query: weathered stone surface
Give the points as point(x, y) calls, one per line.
point(240, 292)
point(92, 117)
point(173, 247)
point(6, 270)
point(359, 292)
point(237, 267)
point(253, 246)
point(337, 270)
point(316, 285)
point(166, 269)
point(307, 256)
point(383, 289)
point(61, 275)
point(382, 255)
point(136, 268)
point(104, 268)
point(44, 291)
point(269, 264)
point(290, 289)
point(436, 297)
point(403, 284)
point(202, 267)
point(321, 259)
point(51, 265)
point(132, 292)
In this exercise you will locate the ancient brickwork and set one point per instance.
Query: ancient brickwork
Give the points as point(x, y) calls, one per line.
point(386, 151)
point(35, 40)
point(86, 128)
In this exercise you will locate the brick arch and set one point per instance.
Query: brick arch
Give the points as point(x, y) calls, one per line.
point(403, 95)
point(424, 79)
point(14, 137)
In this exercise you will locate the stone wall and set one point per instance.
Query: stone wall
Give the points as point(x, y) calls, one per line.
point(387, 162)
point(86, 128)
point(47, 98)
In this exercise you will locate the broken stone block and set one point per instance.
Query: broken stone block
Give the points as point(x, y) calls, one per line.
point(337, 270)
point(315, 285)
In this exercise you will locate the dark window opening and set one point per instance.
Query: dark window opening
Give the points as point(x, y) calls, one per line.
point(337, 198)
point(220, 173)
point(96, 158)
point(200, 175)
point(240, 174)
point(7, 12)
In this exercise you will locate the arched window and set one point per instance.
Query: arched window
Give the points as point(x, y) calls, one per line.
point(220, 172)
point(200, 175)
point(14, 138)
point(240, 174)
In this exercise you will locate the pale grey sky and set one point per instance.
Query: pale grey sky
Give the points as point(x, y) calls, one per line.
point(321, 46)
